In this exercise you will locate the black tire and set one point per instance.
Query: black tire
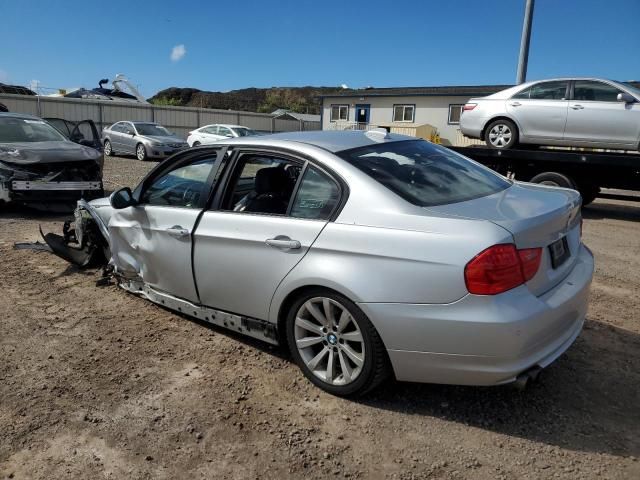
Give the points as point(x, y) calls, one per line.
point(554, 179)
point(501, 128)
point(196, 144)
point(588, 191)
point(376, 366)
point(108, 149)
point(141, 153)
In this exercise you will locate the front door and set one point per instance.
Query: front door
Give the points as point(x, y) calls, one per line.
point(152, 240)
point(362, 114)
point(266, 224)
point(541, 110)
point(596, 116)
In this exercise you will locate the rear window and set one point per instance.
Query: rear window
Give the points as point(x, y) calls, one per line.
point(425, 174)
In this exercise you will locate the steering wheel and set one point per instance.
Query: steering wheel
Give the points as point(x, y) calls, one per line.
point(190, 195)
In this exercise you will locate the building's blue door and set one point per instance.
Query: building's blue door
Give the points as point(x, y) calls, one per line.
point(362, 114)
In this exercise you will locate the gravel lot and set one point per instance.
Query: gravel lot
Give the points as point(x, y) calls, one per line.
point(97, 383)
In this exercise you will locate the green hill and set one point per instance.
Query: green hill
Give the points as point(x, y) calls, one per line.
point(265, 100)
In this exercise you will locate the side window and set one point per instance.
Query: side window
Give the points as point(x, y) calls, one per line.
point(262, 184)
point(117, 127)
point(127, 128)
point(523, 94)
point(549, 91)
point(594, 91)
point(317, 196)
point(211, 130)
point(224, 131)
point(185, 186)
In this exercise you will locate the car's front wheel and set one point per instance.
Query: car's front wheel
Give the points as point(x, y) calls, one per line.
point(335, 344)
point(501, 134)
point(196, 144)
point(108, 150)
point(141, 152)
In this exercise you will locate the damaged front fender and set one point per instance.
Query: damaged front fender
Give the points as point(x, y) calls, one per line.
point(84, 241)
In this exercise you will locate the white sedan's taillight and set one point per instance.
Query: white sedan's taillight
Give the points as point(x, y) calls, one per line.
point(469, 106)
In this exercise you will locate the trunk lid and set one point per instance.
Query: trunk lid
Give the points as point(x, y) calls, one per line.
point(536, 216)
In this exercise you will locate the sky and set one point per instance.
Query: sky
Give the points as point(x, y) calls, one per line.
point(226, 45)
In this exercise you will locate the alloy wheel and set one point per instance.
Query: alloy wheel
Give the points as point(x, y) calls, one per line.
point(107, 148)
point(141, 152)
point(500, 135)
point(329, 341)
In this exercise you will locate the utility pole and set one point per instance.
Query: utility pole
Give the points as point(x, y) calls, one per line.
point(523, 60)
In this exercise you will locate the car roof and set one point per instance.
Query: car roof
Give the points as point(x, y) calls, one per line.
point(333, 141)
point(19, 115)
point(228, 125)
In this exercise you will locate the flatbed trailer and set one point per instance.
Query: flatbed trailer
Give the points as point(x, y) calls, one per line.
point(585, 171)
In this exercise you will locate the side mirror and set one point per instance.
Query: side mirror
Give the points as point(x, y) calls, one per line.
point(626, 98)
point(122, 198)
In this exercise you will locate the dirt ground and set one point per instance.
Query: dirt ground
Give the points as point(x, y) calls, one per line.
point(97, 383)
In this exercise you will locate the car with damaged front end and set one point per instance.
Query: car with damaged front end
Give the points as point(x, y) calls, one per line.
point(366, 254)
point(42, 168)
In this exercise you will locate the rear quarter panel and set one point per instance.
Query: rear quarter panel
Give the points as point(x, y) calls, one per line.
point(392, 265)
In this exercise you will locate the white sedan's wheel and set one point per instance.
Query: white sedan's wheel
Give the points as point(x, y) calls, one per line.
point(501, 134)
point(108, 151)
point(335, 344)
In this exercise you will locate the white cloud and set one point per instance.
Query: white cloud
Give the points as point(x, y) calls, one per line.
point(178, 52)
point(4, 76)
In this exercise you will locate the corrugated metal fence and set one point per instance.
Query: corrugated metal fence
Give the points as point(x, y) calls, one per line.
point(180, 120)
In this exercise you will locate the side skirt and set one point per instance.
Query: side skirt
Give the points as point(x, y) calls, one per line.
point(252, 327)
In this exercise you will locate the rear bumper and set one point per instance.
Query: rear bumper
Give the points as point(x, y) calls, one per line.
point(484, 340)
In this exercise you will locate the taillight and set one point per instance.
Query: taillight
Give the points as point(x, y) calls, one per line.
point(501, 268)
point(469, 106)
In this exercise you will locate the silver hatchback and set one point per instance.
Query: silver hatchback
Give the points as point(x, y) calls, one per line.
point(366, 254)
point(574, 112)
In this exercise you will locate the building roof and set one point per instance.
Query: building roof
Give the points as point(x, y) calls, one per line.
point(304, 117)
point(453, 90)
point(464, 90)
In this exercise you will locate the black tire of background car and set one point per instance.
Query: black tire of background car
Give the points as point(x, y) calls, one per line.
point(144, 150)
point(108, 149)
point(514, 137)
point(554, 178)
point(377, 367)
point(196, 144)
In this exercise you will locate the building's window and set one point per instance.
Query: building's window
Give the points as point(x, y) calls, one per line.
point(403, 113)
point(454, 114)
point(339, 113)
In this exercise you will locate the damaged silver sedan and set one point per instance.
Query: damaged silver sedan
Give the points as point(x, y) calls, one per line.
point(366, 253)
point(43, 168)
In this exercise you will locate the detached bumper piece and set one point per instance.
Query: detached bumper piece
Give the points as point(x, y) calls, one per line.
point(26, 185)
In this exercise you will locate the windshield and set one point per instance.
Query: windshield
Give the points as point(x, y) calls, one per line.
point(18, 130)
point(151, 129)
point(635, 91)
point(425, 174)
point(245, 132)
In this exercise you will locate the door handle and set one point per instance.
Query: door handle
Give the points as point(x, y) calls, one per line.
point(577, 107)
point(284, 242)
point(516, 104)
point(177, 231)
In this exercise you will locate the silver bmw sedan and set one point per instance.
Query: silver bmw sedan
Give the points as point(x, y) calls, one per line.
point(367, 254)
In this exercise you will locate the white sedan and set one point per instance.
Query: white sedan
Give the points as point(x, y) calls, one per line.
point(214, 133)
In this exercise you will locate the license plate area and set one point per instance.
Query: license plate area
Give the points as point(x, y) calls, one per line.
point(559, 252)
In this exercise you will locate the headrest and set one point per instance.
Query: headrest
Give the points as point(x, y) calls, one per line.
point(271, 179)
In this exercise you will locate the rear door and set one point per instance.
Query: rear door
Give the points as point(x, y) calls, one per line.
point(128, 138)
point(271, 212)
point(541, 110)
point(596, 116)
point(153, 240)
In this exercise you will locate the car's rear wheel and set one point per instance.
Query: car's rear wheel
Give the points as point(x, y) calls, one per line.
point(554, 179)
point(501, 134)
point(141, 152)
point(335, 344)
point(108, 150)
point(195, 144)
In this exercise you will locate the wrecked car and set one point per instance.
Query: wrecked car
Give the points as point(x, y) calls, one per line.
point(365, 253)
point(42, 168)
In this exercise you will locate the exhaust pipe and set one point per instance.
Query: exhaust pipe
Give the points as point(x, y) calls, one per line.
point(527, 377)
